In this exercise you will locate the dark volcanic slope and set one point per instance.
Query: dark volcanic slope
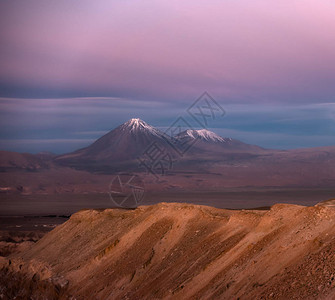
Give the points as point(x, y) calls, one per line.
point(124, 143)
point(177, 251)
point(212, 160)
point(130, 140)
point(210, 142)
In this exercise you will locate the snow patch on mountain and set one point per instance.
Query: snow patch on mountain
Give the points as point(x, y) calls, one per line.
point(137, 125)
point(206, 135)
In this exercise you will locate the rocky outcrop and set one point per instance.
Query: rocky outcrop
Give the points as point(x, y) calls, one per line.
point(179, 251)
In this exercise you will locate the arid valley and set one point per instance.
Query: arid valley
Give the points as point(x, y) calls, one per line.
point(229, 221)
point(167, 150)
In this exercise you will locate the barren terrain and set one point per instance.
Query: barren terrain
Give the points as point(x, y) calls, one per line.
point(180, 251)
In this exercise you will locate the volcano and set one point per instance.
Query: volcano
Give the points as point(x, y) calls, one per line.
point(208, 141)
point(129, 141)
point(124, 143)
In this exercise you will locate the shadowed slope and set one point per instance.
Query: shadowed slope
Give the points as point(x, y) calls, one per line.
point(186, 251)
point(128, 142)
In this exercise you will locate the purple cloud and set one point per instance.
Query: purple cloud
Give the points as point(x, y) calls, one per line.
point(245, 51)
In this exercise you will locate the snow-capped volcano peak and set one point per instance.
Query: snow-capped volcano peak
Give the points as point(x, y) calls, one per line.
point(205, 134)
point(131, 140)
point(138, 125)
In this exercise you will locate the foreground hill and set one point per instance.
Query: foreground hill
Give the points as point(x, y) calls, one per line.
point(330, 202)
point(179, 251)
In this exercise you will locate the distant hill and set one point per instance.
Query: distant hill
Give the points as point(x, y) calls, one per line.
point(26, 161)
point(210, 162)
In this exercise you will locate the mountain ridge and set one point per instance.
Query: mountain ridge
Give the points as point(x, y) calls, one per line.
point(129, 141)
point(181, 251)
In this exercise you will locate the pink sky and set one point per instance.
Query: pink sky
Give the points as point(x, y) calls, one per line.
point(272, 51)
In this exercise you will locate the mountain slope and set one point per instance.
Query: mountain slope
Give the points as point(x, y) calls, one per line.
point(209, 141)
point(179, 251)
point(203, 134)
point(24, 161)
point(126, 142)
point(130, 140)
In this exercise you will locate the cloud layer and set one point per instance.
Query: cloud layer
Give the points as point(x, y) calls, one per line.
point(84, 67)
point(242, 51)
